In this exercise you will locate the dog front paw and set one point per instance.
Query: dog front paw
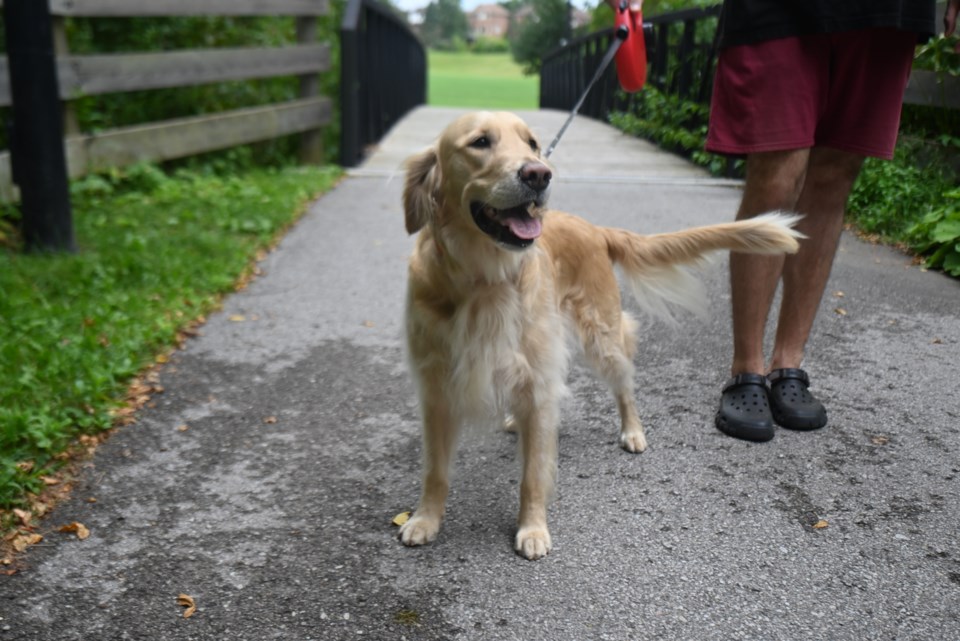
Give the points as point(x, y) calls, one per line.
point(533, 542)
point(634, 442)
point(419, 530)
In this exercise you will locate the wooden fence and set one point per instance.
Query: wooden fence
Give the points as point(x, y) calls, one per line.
point(85, 75)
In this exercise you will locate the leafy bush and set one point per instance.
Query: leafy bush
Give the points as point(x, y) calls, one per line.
point(891, 196)
point(675, 124)
point(937, 235)
point(486, 44)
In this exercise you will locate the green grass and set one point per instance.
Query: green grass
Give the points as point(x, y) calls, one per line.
point(155, 254)
point(482, 81)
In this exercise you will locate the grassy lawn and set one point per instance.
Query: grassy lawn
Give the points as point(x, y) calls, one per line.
point(481, 80)
point(156, 254)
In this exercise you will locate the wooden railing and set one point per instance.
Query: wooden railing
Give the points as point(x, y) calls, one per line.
point(85, 75)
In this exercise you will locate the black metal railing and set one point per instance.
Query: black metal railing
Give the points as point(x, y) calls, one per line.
point(383, 75)
point(681, 51)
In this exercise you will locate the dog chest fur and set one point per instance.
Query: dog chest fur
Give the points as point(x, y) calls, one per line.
point(480, 345)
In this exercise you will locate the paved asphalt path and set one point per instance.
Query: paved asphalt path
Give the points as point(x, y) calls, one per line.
point(273, 509)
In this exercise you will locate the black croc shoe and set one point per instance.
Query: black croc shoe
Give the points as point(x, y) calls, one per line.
point(744, 411)
point(794, 407)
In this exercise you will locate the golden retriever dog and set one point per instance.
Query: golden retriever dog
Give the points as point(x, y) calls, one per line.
point(500, 288)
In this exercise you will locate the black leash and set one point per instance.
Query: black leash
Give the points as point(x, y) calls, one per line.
point(620, 35)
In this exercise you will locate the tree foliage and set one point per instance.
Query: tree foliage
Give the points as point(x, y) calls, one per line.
point(444, 24)
point(546, 29)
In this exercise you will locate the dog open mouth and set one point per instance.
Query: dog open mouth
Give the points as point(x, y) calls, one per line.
point(513, 227)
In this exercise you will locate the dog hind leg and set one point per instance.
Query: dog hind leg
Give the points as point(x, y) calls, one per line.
point(612, 358)
point(608, 337)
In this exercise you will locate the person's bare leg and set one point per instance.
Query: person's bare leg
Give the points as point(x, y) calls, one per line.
point(830, 177)
point(774, 181)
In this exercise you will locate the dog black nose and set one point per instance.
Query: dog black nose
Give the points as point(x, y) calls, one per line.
point(536, 175)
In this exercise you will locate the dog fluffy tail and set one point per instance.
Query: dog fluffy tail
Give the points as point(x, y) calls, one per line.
point(657, 266)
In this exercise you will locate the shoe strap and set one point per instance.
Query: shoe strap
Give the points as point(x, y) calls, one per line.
point(746, 378)
point(789, 373)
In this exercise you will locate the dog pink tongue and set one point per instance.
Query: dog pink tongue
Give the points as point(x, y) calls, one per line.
point(525, 228)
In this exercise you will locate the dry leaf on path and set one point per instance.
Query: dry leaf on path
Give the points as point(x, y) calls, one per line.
point(270, 420)
point(237, 318)
point(187, 601)
point(819, 525)
point(22, 541)
point(401, 518)
point(841, 311)
point(79, 528)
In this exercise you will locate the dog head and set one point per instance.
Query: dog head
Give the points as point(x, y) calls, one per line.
point(483, 181)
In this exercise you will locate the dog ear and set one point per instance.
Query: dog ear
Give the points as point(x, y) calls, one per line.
point(420, 192)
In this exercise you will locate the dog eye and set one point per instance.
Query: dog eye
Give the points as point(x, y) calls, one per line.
point(480, 143)
point(533, 145)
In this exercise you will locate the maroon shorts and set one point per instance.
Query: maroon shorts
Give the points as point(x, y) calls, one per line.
point(843, 91)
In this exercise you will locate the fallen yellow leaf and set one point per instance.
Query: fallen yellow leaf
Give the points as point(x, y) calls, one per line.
point(162, 358)
point(819, 525)
point(401, 518)
point(49, 480)
point(183, 428)
point(237, 318)
point(270, 420)
point(879, 439)
point(187, 601)
point(79, 528)
point(841, 311)
point(24, 516)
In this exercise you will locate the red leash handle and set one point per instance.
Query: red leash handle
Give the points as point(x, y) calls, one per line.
point(632, 55)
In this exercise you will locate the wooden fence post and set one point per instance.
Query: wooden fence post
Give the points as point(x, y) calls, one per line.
point(38, 157)
point(71, 126)
point(311, 142)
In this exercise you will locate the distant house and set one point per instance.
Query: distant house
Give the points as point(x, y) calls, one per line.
point(489, 21)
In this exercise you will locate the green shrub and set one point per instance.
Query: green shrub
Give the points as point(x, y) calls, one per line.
point(937, 235)
point(487, 44)
point(675, 124)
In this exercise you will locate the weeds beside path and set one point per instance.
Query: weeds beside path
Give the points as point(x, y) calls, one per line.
point(156, 254)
